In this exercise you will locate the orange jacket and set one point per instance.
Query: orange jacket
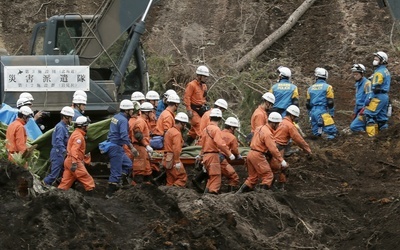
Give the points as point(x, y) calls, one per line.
point(173, 142)
point(152, 120)
point(142, 125)
point(205, 120)
point(263, 141)
point(131, 122)
point(231, 141)
point(77, 145)
point(194, 94)
point(165, 121)
point(287, 130)
point(259, 117)
point(16, 136)
point(212, 142)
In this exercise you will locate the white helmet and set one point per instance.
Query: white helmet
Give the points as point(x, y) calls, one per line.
point(25, 110)
point(169, 92)
point(382, 56)
point(173, 98)
point(22, 102)
point(137, 96)
point(81, 121)
point(293, 110)
point(79, 99)
point(321, 73)
point(275, 117)
point(27, 96)
point(215, 113)
point(221, 103)
point(67, 111)
point(182, 117)
point(284, 71)
point(203, 70)
point(126, 105)
point(152, 96)
point(232, 121)
point(358, 67)
point(269, 97)
point(80, 92)
point(146, 107)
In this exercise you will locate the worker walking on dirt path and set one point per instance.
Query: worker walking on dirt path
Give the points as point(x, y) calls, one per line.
point(263, 143)
point(118, 136)
point(285, 92)
point(375, 114)
point(162, 104)
point(260, 115)
point(283, 134)
point(212, 144)
point(165, 122)
point(142, 171)
point(320, 104)
point(74, 164)
point(16, 136)
point(59, 140)
point(195, 102)
point(173, 141)
point(228, 135)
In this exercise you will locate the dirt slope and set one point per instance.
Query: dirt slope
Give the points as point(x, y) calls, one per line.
point(345, 197)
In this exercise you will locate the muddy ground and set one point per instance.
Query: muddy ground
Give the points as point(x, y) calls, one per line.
point(345, 197)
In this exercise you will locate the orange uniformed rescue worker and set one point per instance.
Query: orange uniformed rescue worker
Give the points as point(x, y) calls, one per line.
point(257, 165)
point(195, 100)
point(167, 118)
point(141, 141)
point(212, 144)
point(173, 142)
point(74, 164)
point(205, 119)
point(16, 133)
point(286, 131)
point(153, 97)
point(260, 115)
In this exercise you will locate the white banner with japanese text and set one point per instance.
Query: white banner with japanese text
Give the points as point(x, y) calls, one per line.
point(46, 78)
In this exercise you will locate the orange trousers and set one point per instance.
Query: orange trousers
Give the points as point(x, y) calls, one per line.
point(176, 177)
point(141, 164)
point(213, 167)
point(194, 131)
point(258, 167)
point(277, 168)
point(229, 172)
point(80, 174)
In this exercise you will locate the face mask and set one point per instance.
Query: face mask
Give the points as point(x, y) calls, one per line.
point(375, 62)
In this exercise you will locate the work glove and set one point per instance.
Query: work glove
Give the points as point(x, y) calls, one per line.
point(74, 167)
point(231, 157)
point(190, 114)
point(239, 157)
point(178, 166)
point(134, 152)
point(149, 149)
point(284, 164)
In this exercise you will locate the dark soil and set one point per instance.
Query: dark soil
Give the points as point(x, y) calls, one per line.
point(345, 197)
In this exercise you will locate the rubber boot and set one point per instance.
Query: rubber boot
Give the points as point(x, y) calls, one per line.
point(198, 180)
point(243, 189)
point(112, 188)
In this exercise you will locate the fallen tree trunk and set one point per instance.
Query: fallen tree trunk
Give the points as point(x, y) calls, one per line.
point(267, 42)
